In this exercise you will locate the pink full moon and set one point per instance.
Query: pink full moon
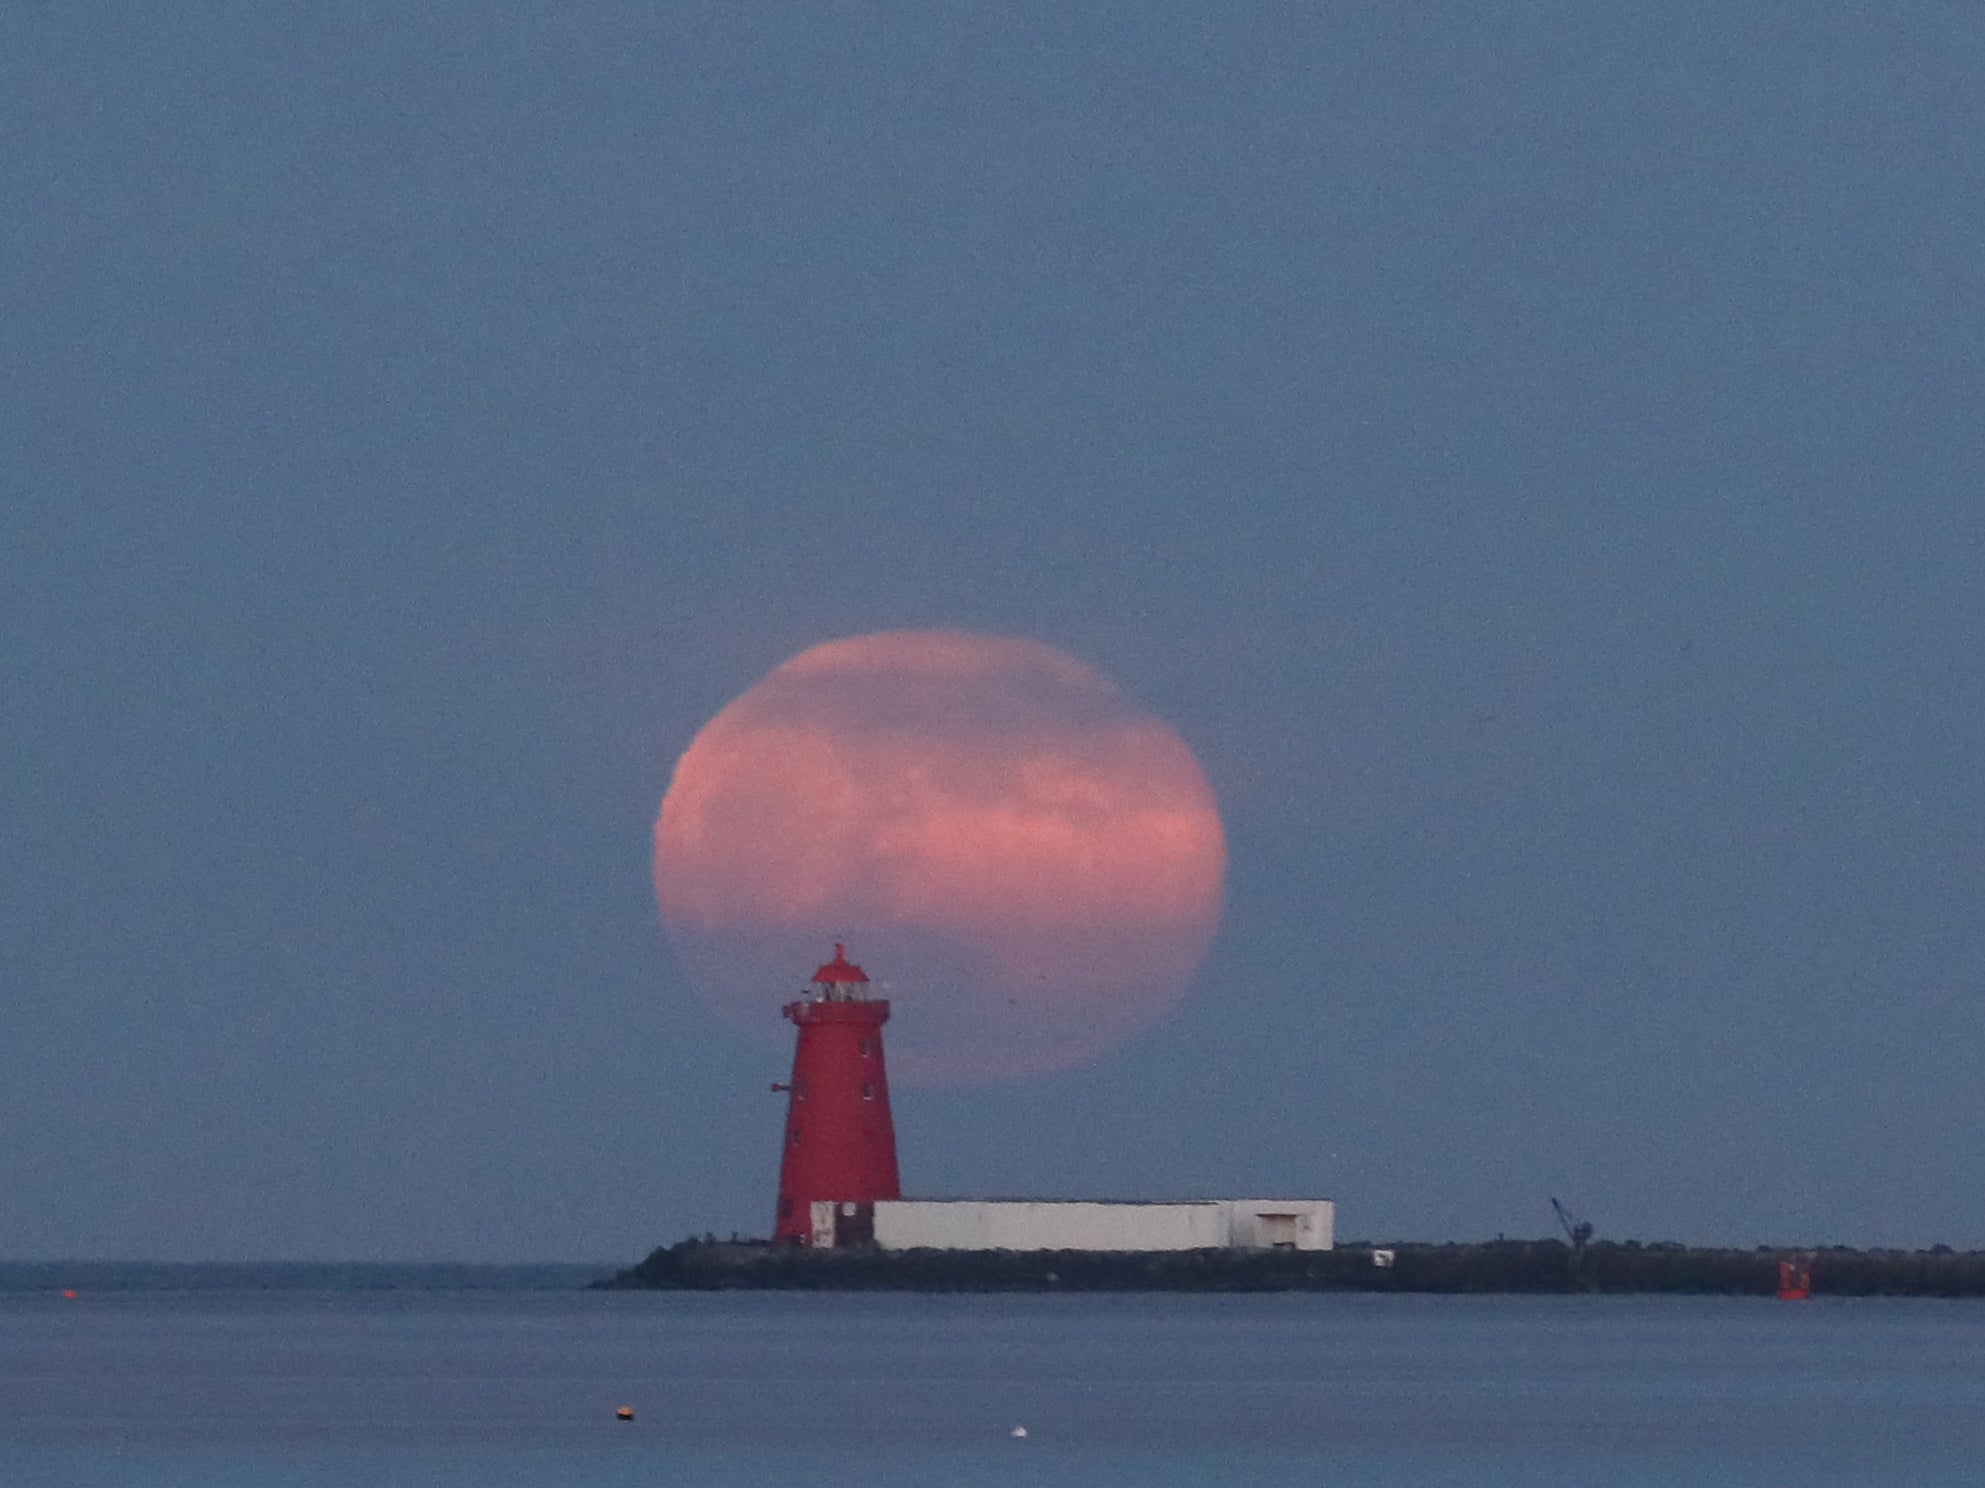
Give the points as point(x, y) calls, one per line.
point(1028, 864)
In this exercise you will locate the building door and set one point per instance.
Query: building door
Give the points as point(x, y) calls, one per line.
point(1277, 1231)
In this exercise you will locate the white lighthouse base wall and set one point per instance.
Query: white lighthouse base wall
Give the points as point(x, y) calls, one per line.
point(1073, 1224)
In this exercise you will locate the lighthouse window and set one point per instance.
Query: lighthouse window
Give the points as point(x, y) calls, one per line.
point(793, 1137)
point(867, 1047)
point(868, 1092)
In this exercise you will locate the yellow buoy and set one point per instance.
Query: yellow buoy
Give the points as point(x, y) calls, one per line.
point(625, 1413)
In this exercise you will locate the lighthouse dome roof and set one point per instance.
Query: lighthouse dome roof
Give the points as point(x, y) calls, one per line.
point(840, 969)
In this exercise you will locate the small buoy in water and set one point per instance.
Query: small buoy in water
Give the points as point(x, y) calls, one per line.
point(625, 1413)
point(1018, 1431)
point(69, 1294)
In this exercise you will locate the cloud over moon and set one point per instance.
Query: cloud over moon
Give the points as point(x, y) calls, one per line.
point(1030, 864)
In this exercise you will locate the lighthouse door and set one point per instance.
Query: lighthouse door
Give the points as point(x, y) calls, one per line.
point(823, 1226)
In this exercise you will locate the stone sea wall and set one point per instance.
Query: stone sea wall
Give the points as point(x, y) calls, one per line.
point(1538, 1266)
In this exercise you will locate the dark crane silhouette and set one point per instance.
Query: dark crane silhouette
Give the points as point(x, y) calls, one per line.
point(1577, 1230)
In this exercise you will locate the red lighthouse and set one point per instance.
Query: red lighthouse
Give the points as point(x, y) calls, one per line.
point(840, 1141)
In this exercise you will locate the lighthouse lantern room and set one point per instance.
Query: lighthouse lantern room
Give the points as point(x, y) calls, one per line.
point(840, 1147)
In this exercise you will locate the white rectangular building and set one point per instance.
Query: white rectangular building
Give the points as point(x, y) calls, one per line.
point(1080, 1224)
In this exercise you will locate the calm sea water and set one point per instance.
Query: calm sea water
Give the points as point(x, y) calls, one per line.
point(337, 1378)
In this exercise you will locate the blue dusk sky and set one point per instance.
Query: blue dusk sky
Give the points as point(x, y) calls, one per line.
point(1531, 452)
